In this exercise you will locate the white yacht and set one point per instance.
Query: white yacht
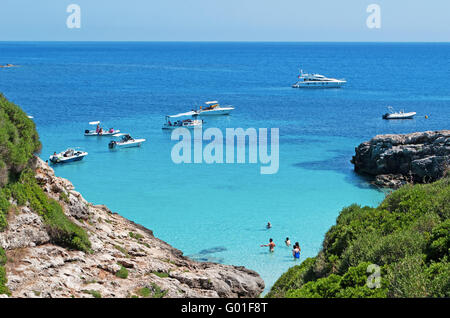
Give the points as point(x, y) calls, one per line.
point(213, 108)
point(317, 81)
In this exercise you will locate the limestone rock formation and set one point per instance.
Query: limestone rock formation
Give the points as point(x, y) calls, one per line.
point(394, 160)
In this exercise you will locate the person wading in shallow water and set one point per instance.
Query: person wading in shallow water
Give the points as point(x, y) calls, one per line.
point(271, 245)
point(296, 250)
point(287, 242)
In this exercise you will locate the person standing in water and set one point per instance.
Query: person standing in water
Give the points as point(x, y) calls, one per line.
point(271, 245)
point(288, 242)
point(296, 251)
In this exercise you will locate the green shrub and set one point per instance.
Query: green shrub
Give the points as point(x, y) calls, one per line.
point(407, 235)
point(144, 292)
point(61, 230)
point(94, 293)
point(122, 272)
point(3, 279)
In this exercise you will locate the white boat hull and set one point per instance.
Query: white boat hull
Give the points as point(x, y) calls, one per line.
point(318, 84)
point(61, 159)
point(105, 133)
point(216, 112)
point(399, 116)
point(128, 144)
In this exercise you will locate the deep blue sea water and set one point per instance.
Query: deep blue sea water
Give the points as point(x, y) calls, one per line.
point(218, 212)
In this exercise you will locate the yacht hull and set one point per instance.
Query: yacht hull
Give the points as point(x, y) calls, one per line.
point(318, 85)
point(216, 112)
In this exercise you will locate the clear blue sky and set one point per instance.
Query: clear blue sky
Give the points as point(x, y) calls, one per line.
point(225, 20)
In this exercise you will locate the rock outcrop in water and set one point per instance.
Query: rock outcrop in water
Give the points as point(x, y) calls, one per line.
point(394, 160)
point(126, 259)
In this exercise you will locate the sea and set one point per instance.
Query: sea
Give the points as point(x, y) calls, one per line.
point(218, 212)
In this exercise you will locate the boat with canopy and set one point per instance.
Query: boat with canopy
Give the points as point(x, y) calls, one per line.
point(177, 121)
point(99, 131)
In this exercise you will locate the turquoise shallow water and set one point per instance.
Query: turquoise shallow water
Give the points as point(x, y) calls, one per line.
point(218, 212)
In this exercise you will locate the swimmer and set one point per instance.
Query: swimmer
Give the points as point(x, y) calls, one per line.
point(288, 242)
point(271, 245)
point(268, 225)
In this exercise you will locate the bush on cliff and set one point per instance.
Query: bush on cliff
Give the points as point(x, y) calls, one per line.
point(60, 228)
point(19, 141)
point(407, 235)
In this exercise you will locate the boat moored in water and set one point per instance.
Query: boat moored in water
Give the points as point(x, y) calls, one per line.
point(392, 114)
point(125, 141)
point(99, 131)
point(178, 122)
point(317, 81)
point(68, 155)
point(213, 108)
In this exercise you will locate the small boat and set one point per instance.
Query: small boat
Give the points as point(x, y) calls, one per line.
point(213, 108)
point(68, 155)
point(317, 81)
point(125, 141)
point(186, 123)
point(392, 114)
point(99, 131)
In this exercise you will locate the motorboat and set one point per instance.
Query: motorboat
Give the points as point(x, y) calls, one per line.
point(317, 81)
point(392, 114)
point(125, 141)
point(179, 122)
point(99, 131)
point(213, 108)
point(68, 155)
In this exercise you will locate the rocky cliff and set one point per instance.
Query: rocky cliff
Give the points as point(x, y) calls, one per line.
point(125, 259)
point(394, 160)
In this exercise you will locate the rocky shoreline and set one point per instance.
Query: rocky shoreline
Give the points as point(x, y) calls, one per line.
point(395, 160)
point(38, 268)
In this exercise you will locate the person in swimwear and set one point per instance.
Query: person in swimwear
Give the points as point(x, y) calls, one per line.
point(296, 251)
point(268, 226)
point(271, 245)
point(288, 242)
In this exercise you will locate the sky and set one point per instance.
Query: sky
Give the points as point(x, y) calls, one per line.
point(225, 20)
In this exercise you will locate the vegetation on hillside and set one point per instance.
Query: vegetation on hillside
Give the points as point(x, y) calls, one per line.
point(407, 236)
point(19, 141)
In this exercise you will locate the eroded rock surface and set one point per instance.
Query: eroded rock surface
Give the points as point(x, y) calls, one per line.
point(395, 160)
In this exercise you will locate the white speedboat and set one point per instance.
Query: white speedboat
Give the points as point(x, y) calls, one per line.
point(125, 141)
point(68, 155)
point(317, 81)
point(178, 121)
point(213, 108)
point(392, 114)
point(99, 131)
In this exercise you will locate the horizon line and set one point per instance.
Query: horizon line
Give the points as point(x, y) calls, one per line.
point(214, 41)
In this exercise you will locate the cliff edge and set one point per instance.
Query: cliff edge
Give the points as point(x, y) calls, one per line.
point(395, 160)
